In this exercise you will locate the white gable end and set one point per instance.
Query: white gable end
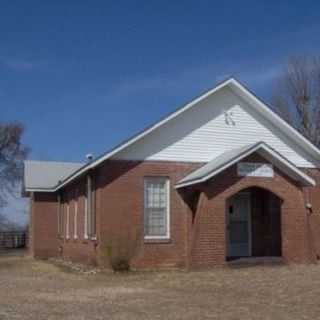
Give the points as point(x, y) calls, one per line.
point(219, 123)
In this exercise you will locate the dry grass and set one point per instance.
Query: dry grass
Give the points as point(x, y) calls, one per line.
point(39, 290)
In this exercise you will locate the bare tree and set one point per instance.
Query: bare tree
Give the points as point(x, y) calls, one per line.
point(12, 154)
point(297, 96)
point(7, 225)
point(3, 222)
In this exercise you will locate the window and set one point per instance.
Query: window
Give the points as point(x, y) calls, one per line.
point(156, 208)
point(60, 217)
point(86, 215)
point(75, 222)
point(90, 214)
point(68, 222)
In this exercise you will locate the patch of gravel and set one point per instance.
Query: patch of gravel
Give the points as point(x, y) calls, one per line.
point(75, 267)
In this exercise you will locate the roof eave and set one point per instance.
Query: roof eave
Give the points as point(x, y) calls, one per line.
point(305, 179)
point(289, 129)
point(144, 133)
point(229, 82)
point(29, 190)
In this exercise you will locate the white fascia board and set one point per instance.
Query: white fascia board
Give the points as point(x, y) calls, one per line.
point(308, 180)
point(278, 121)
point(40, 190)
point(144, 133)
point(285, 162)
point(234, 84)
point(215, 172)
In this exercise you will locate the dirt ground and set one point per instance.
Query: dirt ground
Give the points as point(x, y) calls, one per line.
point(41, 290)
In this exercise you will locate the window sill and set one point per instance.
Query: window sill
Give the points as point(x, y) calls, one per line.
point(157, 240)
point(88, 240)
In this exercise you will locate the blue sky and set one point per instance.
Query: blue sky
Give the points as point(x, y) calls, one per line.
point(84, 75)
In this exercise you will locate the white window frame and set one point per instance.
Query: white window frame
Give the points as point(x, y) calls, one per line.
point(86, 216)
point(68, 222)
point(167, 235)
point(60, 223)
point(90, 210)
point(75, 219)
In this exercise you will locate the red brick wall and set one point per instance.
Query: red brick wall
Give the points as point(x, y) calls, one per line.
point(312, 195)
point(197, 238)
point(208, 236)
point(45, 241)
point(43, 226)
point(121, 198)
point(79, 248)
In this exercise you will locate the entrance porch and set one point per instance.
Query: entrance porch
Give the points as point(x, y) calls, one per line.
point(247, 203)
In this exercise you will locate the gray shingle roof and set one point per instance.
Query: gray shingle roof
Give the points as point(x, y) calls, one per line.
point(228, 158)
point(215, 164)
point(46, 174)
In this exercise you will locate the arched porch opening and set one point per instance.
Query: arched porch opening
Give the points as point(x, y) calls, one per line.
point(253, 224)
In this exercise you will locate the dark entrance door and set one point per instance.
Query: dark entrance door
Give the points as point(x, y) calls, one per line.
point(239, 226)
point(253, 221)
point(266, 223)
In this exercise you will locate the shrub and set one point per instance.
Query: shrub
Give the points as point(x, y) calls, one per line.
point(119, 264)
point(120, 249)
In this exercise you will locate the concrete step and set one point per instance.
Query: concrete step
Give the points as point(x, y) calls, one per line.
point(255, 261)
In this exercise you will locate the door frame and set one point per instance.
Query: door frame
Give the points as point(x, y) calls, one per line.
point(248, 195)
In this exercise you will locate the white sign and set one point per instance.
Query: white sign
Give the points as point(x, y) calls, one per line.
point(251, 169)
